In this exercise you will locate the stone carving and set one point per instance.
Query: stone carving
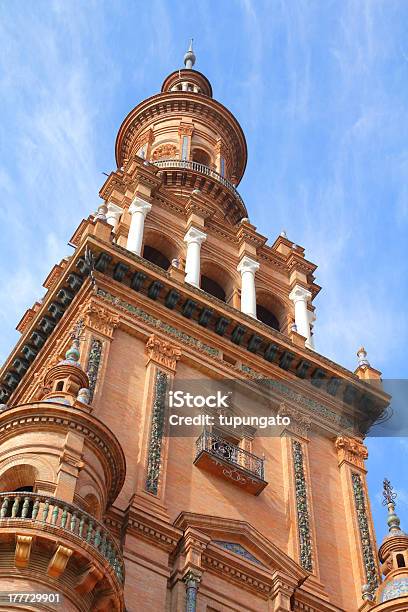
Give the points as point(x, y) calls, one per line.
point(156, 433)
point(365, 537)
point(351, 450)
point(165, 151)
point(100, 319)
point(92, 369)
point(302, 507)
point(299, 423)
point(162, 352)
point(59, 561)
point(23, 550)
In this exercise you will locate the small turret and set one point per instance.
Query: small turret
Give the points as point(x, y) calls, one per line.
point(66, 381)
point(393, 554)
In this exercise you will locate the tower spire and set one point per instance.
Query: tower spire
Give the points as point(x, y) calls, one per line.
point(189, 57)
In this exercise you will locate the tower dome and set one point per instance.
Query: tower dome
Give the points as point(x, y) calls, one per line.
point(193, 139)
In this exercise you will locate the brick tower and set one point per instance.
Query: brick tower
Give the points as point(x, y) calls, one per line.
point(170, 282)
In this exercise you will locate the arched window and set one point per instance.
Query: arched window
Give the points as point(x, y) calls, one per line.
point(156, 257)
point(212, 287)
point(267, 317)
point(18, 478)
point(400, 560)
point(200, 156)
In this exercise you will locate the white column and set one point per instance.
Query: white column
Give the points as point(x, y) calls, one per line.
point(300, 297)
point(247, 267)
point(113, 214)
point(138, 209)
point(312, 319)
point(194, 239)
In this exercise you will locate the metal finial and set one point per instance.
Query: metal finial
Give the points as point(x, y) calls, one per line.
point(393, 520)
point(283, 234)
point(389, 494)
point(190, 58)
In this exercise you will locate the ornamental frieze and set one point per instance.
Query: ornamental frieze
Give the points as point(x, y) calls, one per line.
point(162, 352)
point(351, 450)
point(158, 323)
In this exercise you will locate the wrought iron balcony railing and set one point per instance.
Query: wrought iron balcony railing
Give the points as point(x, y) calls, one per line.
point(186, 164)
point(46, 512)
point(231, 454)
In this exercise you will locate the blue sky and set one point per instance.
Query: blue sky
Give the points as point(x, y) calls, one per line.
point(320, 89)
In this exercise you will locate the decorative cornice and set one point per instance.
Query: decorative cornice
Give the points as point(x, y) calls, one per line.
point(162, 352)
point(352, 451)
point(230, 571)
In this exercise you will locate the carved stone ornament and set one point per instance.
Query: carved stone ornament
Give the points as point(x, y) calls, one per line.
point(299, 423)
point(165, 151)
point(23, 550)
point(351, 450)
point(100, 319)
point(162, 352)
point(186, 129)
point(59, 561)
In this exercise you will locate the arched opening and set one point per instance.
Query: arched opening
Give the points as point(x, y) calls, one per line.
point(267, 317)
point(156, 257)
point(92, 505)
point(59, 385)
point(400, 560)
point(201, 157)
point(271, 310)
point(159, 249)
point(212, 287)
point(18, 478)
point(216, 281)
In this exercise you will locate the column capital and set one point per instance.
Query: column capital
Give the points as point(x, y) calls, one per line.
point(300, 294)
point(114, 208)
point(192, 578)
point(247, 265)
point(195, 235)
point(139, 205)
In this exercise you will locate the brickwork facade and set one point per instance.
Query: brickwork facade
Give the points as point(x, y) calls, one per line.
point(170, 282)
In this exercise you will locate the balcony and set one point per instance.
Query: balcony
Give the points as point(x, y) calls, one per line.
point(220, 457)
point(66, 542)
point(195, 175)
